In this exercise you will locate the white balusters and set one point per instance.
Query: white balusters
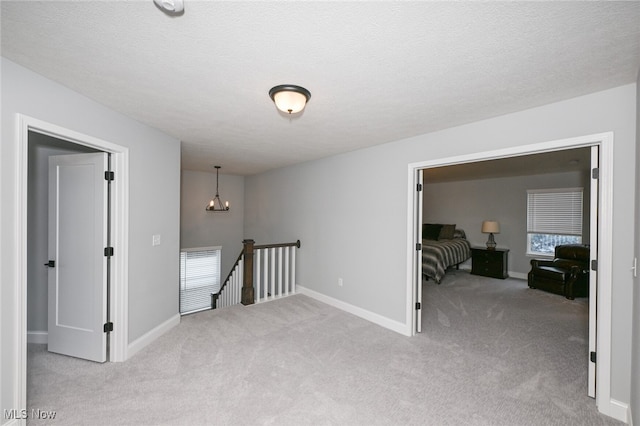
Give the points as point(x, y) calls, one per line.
point(273, 275)
point(274, 272)
point(257, 276)
point(286, 270)
point(293, 269)
point(280, 271)
point(265, 273)
point(232, 292)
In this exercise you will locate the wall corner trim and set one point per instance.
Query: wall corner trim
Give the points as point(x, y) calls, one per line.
point(144, 340)
point(377, 319)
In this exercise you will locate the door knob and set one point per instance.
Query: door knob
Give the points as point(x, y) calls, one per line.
point(50, 264)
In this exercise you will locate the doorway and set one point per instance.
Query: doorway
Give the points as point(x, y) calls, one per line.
point(41, 147)
point(118, 300)
point(604, 142)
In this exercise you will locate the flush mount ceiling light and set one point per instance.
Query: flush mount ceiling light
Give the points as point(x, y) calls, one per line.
point(215, 205)
point(172, 7)
point(290, 98)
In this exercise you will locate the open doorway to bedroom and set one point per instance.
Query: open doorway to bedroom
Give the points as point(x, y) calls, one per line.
point(477, 192)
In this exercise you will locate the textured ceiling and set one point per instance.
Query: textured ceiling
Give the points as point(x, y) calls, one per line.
point(377, 71)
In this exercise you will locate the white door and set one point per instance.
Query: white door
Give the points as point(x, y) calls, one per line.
point(77, 239)
point(418, 234)
point(593, 275)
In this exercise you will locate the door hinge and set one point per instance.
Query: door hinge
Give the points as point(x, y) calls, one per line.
point(419, 187)
point(594, 265)
point(595, 173)
point(418, 246)
point(418, 306)
point(592, 357)
point(108, 327)
point(108, 251)
point(109, 176)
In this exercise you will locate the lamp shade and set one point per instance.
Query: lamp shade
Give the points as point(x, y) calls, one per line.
point(289, 98)
point(490, 227)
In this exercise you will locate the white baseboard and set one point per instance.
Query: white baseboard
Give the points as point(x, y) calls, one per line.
point(518, 275)
point(616, 409)
point(40, 337)
point(142, 341)
point(385, 322)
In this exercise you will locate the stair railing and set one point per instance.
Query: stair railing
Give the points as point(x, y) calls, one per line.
point(261, 273)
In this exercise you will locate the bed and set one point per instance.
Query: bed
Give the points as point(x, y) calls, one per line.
point(443, 246)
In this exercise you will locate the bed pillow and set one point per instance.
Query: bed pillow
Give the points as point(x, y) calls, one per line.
point(431, 231)
point(446, 232)
point(459, 233)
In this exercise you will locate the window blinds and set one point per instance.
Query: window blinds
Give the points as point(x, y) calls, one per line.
point(199, 277)
point(554, 211)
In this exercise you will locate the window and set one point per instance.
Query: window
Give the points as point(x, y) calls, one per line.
point(199, 277)
point(554, 217)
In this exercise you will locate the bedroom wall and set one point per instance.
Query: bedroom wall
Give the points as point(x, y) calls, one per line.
point(154, 171)
point(467, 203)
point(350, 211)
point(200, 228)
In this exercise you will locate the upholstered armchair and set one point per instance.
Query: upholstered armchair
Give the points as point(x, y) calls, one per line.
point(567, 274)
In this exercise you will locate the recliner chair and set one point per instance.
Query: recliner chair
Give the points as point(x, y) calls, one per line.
point(567, 274)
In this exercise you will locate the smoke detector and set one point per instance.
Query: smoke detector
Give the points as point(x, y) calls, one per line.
point(170, 6)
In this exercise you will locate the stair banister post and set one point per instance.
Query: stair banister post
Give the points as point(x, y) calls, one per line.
point(248, 297)
point(214, 300)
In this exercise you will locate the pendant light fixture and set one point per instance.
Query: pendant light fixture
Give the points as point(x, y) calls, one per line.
point(289, 98)
point(215, 205)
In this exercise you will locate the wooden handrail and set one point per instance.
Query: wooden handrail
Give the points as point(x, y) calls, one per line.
point(265, 246)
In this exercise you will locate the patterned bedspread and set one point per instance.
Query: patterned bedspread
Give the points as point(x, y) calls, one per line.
point(437, 256)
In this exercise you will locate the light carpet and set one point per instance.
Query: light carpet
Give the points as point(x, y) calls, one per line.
point(493, 352)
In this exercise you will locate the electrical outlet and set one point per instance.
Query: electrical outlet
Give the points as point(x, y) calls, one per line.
point(340, 282)
point(156, 240)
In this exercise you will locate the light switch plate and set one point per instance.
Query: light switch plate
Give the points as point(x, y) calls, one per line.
point(156, 240)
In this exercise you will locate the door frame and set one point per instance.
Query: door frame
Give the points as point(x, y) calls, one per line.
point(605, 142)
point(118, 298)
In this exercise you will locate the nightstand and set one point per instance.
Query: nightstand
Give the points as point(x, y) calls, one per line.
point(490, 263)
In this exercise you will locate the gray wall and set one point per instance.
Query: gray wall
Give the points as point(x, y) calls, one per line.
point(40, 148)
point(350, 210)
point(154, 171)
point(467, 203)
point(200, 228)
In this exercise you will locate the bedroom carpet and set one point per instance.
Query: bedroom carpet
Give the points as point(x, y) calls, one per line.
point(493, 352)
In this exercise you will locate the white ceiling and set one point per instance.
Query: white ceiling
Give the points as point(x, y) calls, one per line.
point(377, 71)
